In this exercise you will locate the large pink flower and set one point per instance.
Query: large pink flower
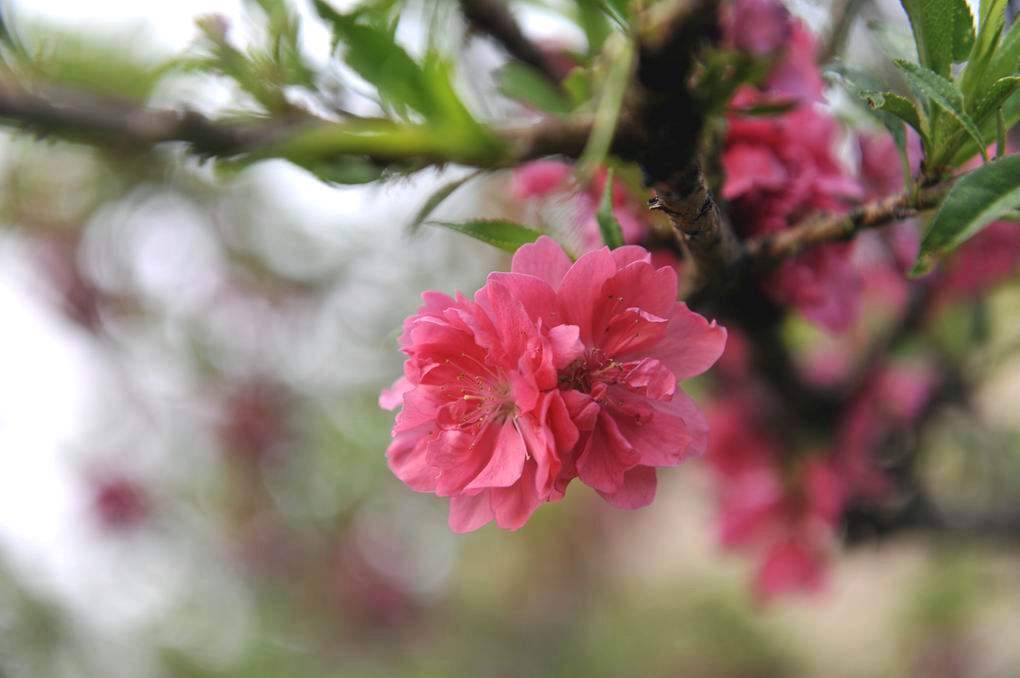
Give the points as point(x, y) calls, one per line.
point(554, 371)
point(482, 421)
point(622, 391)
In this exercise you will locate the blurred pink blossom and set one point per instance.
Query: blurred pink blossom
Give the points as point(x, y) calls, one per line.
point(781, 169)
point(893, 397)
point(119, 503)
point(783, 514)
point(758, 27)
point(544, 179)
point(986, 260)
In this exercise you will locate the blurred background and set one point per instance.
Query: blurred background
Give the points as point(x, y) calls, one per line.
point(192, 471)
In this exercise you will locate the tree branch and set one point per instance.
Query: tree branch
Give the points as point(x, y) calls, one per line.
point(706, 237)
point(682, 195)
point(767, 251)
point(120, 123)
point(493, 18)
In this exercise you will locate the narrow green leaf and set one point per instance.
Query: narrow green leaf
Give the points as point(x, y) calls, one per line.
point(1005, 58)
point(943, 94)
point(902, 107)
point(438, 197)
point(608, 112)
point(995, 97)
point(979, 198)
point(764, 110)
point(506, 235)
point(595, 23)
point(993, 18)
point(521, 82)
point(963, 31)
point(1000, 134)
point(933, 23)
point(609, 226)
point(380, 60)
point(577, 85)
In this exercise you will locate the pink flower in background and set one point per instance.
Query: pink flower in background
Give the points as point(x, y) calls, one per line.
point(119, 503)
point(554, 371)
point(544, 179)
point(541, 178)
point(622, 390)
point(797, 76)
point(986, 260)
point(786, 517)
point(894, 397)
point(758, 27)
point(781, 169)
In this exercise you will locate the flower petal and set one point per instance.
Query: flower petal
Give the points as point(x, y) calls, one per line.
point(606, 457)
point(691, 345)
point(506, 461)
point(544, 259)
point(468, 513)
point(637, 491)
point(513, 506)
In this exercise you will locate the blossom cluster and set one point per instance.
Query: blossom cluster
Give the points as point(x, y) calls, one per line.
point(782, 168)
point(553, 371)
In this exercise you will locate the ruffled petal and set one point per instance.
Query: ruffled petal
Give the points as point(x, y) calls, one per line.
point(637, 491)
point(544, 259)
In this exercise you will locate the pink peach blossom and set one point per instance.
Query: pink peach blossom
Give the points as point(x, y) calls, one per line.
point(622, 391)
point(482, 421)
point(554, 371)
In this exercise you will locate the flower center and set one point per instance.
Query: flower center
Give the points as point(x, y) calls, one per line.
point(590, 370)
point(481, 395)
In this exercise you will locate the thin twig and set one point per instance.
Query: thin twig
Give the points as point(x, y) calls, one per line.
point(767, 251)
point(494, 19)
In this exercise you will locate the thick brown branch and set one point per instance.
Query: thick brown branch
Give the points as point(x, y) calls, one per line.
point(706, 237)
point(767, 251)
point(493, 18)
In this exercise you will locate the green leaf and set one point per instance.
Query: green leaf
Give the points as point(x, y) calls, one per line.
point(621, 55)
point(577, 85)
point(521, 82)
point(963, 31)
point(1004, 59)
point(594, 21)
point(347, 170)
point(935, 34)
point(376, 56)
point(996, 96)
point(609, 226)
point(764, 110)
point(968, 149)
point(993, 18)
point(438, 197)
point(977, 199)
point(943, 94)
point(506, 235)
point(899, 106)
